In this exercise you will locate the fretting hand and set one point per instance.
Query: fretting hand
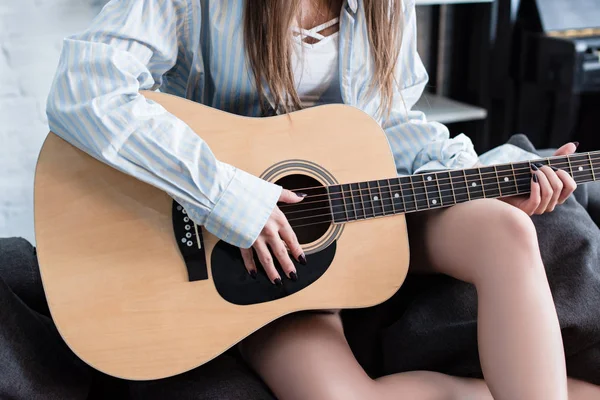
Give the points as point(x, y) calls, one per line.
point(549, 186)
point(276, 234)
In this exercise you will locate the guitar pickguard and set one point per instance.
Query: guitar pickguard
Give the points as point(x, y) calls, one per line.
point(236, 286)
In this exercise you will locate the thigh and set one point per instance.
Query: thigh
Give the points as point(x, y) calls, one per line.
point(306, 356)
point(456, 240)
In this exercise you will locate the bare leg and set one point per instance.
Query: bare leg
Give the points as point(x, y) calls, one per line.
point(494, 246)
point(579, 390)
point(306, 356)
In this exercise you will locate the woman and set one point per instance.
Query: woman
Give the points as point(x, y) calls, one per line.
point(254, 56)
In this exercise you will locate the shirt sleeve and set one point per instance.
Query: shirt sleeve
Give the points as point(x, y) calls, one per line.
point(94, 103)
point(419, 145)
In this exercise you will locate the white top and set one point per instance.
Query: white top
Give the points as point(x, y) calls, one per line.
point(316, 66)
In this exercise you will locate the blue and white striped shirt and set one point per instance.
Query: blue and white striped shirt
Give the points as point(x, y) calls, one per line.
point(195, 49)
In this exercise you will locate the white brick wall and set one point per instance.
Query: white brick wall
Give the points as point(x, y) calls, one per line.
point(31, 33)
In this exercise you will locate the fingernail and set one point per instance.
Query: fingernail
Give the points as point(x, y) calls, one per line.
point(293, 276)
point(302, 259)
point(278, 282)
point(534, 167)
point(302, 195)
point(576, 144)
point(253, 274)
point(535, 178)
point(539, 165)
point(554, 168)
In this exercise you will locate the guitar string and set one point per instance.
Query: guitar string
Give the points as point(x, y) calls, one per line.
point(402, 186)
point(439, 180)
point(328, 221)
point(441, 205)
point(382, 205)
point(548, 159)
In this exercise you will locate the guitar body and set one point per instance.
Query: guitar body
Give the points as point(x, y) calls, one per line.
point(112, 267)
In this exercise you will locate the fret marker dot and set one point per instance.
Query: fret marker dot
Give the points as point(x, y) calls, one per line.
point(580, 168)
point(396, 195)
point(434, 201)
point(473, 184)
point(506, 179)
point(375, 198)
point(429, 178)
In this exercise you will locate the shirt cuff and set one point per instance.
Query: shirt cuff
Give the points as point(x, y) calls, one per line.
point(242, 211)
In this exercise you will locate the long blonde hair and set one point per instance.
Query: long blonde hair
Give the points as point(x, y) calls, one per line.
point(269, 46)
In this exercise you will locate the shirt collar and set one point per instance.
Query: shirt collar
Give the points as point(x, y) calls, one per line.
point(353, 4)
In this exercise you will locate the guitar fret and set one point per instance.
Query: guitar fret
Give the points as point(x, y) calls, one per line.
point(336, 203)
point(524, 178)
point(389, 182)
point(481, 181)
point(570, 166)
point(582, 172)
point(375, 198)
point(408, 194)
point(512, 167)
point(365, 195)
point(420, 194)
point(591, 166)
point(386, 197)
point(466, 183)
point(507, 180)
point(432, 191)
point(490, 184)
point(459, 186)
point(446, 188)
point(396, 195)
point(498, 180)
point(349, 204)
point(359, 207)
point(474, 184)
point(344, 201)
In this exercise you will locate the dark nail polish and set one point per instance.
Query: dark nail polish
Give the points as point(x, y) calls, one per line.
point(303, 195)
point(534, 167)
point(253, 274)
point(576, 144)
point(293, 276)
point(278, 282)
point(554, 168)
point(539, 165)
point(535, 178)
point(302, 259)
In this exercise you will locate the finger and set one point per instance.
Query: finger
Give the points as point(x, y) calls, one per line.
point(289, 237)
point(556, 184)
point(288, 196)
point(279, 250)
point(545, 190)
point(568, 148)
point(248, 257)
point(531, 204)
point(569, 185)
point(266, 260)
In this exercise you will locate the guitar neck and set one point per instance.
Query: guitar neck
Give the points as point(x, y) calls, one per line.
point(400, 195)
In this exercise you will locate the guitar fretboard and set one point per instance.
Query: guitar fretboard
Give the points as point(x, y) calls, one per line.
point(371, 199)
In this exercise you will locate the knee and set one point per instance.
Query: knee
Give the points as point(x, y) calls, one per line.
point(511, 239)
point(513, 226)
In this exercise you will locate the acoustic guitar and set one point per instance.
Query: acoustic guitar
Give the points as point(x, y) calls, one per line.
point(138, 291)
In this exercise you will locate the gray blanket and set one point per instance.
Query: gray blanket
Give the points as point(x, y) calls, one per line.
point(431, 323)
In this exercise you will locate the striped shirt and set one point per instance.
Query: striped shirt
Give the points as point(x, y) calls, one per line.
point(195, 49)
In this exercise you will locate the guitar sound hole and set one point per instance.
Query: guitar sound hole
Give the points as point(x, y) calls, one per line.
point(310, 218)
